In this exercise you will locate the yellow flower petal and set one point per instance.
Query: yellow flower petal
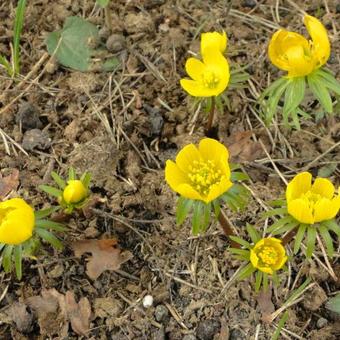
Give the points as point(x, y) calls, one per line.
point(217, 190)
point(299, 64)
point(174, 176)
point(323, 187)
point(265, 269)
point(196, 89)
point(16, 221)
point(214, 41)
point(326, 209)
point(253, 258)
point(299, 185)
point(188, 191)
point(280, 263)
point(186, 157)
point(194, 68)
point(321, 47)
point(300, 210)
point(211, 149)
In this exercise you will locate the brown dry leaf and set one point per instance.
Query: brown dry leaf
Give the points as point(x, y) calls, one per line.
point(104, 255)
point(78, 313)
point(21, 317)
point(9, 183)
point(242, 148)
point(50, 310)
point(55, 311)
point(266, 305)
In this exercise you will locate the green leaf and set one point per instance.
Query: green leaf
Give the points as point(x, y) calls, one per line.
point(184, 206)
point(258, 280)
point(240, 241)
point(18, 260)
point(2, 245)
point(51, 190)
point(206, 216)
point(274, 212)
point(280, 326)
point(252, 232)
point(86, 179)
point(297, 292)
point(217, 207)
point(328, 80)
point(311, 236)
point(277, 203)
point(71, 45)
point(333, 304)
point(327, 170)
point(40, 214)
point(245, 254)
point(18, 24)
point(246, 271)
point(238, 176)
point(299, 237)
point(333, 226)
point(294, 95)
point(110, 64)
point(265, 281)
point(4, 62)
point(281, 222)
point(46, 224)
point(275, 279)
point(61, 183)
point(320, 92)
point(71, 174)
point(285, 228)
point(7, 258)
point(31, 246)
point(49, 237)
point(327, 239)
point(197, 217)
point(102, 3)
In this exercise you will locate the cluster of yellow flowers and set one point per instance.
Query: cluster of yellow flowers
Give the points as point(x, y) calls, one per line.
point(202, 175)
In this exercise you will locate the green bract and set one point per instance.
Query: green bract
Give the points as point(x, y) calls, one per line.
point(291, 91)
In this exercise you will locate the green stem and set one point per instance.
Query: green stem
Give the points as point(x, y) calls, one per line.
point(211, 116)
point(227, 229)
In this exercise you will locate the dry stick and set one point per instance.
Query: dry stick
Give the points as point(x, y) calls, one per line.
point(289, 237)
point(211, 117)
point(227, 229)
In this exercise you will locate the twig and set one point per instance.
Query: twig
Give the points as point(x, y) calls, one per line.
point(227, 229)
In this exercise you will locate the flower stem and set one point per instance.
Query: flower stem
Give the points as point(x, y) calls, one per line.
point(211, 116)
point(227, 229)
point(289, 237)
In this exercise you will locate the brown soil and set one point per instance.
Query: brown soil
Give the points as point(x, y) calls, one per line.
point(122, 127)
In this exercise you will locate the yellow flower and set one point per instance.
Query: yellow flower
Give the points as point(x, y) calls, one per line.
point(311, 203)
point(16, 221)
point(210, 77)
point(214, 41)
point(201, 173)
point(292, 52)
point(268, 255)
point(74, 192)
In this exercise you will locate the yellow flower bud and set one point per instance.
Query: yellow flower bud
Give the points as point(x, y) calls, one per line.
point(74, 192)
point(311, 203)
point(16, 221)
point(268, 255)
point(292, 52)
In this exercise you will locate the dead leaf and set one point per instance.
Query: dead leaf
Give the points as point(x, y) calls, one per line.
point(266, 305)
point(242, 148)
point(78, 313)
point(104, 255)
point(50, 310)
point(9, 183)
point(55, 310)
point(21, 317)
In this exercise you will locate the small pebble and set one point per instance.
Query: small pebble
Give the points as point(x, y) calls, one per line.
point(322, 322)
point(115, 43)
point(28, 117)
point(207, 329)
point(249, 3)
point(147, 301)
point(161, 313)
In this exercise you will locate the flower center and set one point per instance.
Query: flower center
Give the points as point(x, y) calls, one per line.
point(311, 198)
point(268, 255)
point(209, 79)
point(203, 175)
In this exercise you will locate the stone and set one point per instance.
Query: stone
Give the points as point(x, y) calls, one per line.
point(207, 329)
point(161, 313)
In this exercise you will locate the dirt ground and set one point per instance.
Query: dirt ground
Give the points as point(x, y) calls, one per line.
point(122, 127)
